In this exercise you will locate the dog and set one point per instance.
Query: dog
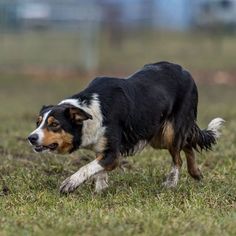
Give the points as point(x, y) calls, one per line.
point(118, 117)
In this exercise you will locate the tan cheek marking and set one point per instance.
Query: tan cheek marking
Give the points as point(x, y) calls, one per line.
point(67, 144)
point(64, 140)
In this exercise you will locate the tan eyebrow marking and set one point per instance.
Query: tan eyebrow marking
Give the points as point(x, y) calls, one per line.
point(50, 120)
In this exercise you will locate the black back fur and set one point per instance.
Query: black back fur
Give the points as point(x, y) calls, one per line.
point(136, 108)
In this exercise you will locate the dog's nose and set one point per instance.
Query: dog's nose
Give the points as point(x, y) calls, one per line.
point(33, 138)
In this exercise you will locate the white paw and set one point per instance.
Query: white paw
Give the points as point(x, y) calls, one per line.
point(83, 174)
point(170, 184)
point(69, 185)
point(172, 179)
point(72, 182)
point(101, 182)
point(100, 186)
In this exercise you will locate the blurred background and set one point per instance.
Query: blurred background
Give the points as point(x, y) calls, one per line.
point(50, 49)
point(57, 38)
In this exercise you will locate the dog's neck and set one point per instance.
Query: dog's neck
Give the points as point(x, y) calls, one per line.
point(92, 131)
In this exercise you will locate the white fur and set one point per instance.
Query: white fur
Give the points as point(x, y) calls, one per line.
point(83, 174)
point(215, 126)
point(173, 178)
point(39, 130)
point(71, 101)
point(139, 146)
point(101, 181)
point(92, 130)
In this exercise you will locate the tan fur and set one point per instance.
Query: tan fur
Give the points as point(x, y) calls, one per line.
point(50, 120)
point(110, 167)
point(176, 157)
point(99, 157)
point(76, 115)
point(168, 134)
point(193, 169)
point(101, 145)
point(63, 139)
point(39, 120)
point(165, 138)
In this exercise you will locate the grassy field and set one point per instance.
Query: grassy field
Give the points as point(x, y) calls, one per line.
point(50, 49)
point(135, 203)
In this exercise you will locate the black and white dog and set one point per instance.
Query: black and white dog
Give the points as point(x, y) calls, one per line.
point(118, 117)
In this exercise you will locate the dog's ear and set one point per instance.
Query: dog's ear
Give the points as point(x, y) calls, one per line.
point(45, 108)
point(77, 115)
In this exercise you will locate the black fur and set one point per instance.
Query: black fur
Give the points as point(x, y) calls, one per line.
point(61, 114)
point(137, 108)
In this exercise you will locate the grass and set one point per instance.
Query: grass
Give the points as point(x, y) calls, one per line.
point(50, 49)
point(135, 203)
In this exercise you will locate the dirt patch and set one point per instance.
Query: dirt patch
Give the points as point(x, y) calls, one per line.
point(5, 191)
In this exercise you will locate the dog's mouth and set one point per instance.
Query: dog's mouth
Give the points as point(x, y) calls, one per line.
point(42, 148)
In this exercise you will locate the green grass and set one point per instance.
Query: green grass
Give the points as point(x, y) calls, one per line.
point(135, 203)
point(49, 49)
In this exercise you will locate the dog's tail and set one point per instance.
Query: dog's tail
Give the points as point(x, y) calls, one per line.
point(205, 139)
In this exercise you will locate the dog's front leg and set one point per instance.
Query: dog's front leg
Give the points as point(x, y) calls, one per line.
point(101, 181)
point(83, 174)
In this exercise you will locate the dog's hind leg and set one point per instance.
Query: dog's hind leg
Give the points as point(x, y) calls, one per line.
point(173, 177)
point(193, 169)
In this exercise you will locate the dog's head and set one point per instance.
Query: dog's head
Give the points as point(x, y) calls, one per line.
point(59, 128)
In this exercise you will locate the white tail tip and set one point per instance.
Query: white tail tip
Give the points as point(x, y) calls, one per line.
point(215, 126)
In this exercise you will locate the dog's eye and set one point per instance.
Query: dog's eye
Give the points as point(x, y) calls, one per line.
point(54, 124)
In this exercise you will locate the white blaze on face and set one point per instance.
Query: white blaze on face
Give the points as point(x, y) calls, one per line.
point(92, 130)
point(39, 130)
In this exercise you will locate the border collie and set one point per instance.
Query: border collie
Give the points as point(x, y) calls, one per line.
point(117, 117)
